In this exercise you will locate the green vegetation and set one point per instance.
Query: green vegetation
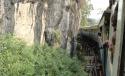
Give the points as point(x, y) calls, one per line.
point(85, 12)
point(18, 59)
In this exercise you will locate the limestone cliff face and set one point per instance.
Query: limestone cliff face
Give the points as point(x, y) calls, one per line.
point(23, 19)
point(0, 16)
point(8, 10)
point(0, 8)
point(30, 22)
point(65, 16)
point(36, 20)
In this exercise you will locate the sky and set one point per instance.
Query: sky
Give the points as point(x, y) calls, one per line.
point(99, 6)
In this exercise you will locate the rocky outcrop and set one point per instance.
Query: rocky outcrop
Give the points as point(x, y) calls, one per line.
point(0, 16)
point(63, 15)
point(36, 20)
point(24, 22)
point(7, 13)
point(23, 19)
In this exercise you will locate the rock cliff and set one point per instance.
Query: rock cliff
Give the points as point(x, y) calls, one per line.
point(37, 21)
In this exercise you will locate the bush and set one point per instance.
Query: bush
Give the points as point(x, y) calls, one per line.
point(18, 59)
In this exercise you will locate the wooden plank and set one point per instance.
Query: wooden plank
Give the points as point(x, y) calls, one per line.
point(119, 38)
